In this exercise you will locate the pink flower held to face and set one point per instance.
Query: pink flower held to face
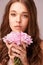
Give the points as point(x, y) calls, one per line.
point(18, 37)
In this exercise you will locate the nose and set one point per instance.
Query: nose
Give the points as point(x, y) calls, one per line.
point(18, 19)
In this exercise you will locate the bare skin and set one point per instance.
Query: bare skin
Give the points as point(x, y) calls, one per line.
point(41, 45)
point(21, 53)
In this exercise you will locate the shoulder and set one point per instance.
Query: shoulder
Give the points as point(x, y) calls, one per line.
point(41, 45)
point(0, 64)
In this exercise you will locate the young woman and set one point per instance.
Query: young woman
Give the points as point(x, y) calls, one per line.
point(20, 15)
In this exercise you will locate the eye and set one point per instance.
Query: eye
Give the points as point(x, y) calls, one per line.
point(13, 14)
point(26, 16)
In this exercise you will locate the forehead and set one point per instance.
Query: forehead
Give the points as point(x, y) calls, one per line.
point(18, 6)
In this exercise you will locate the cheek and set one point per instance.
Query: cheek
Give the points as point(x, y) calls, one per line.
point(11, 21)
point(24, 25)
point(11, 24)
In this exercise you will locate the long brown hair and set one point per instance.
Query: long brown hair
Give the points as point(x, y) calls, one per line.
point(33, 51)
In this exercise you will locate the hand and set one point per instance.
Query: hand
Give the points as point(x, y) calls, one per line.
point(18, 51)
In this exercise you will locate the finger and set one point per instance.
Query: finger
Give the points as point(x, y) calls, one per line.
point(12, 55)
point(24, 45)
point(9, 45)
point(16, 55)
point(20, 48)
point(18, 51)
point(14, 50)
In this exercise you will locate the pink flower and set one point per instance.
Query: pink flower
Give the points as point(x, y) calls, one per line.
point(18, 37)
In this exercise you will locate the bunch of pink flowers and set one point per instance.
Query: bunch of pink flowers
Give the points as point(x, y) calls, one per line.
point(18, 37)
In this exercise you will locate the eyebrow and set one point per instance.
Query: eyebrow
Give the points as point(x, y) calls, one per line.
point(22, 12)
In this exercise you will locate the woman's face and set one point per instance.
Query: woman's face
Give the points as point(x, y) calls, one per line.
point(18, 17)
